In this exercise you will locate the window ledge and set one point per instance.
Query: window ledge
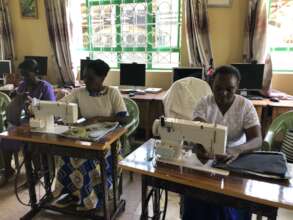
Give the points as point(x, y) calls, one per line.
point(147, 71)
point(287, 72)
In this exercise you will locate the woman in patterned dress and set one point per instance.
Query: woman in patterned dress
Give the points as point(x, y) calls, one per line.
point(78, 180)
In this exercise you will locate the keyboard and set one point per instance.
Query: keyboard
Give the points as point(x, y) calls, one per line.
point(139, 90)
point(255, 97)
point(126, 91)
point(153, 90)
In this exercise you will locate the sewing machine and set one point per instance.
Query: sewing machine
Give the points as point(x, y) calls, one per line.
point(44, 112)
point(174, 133)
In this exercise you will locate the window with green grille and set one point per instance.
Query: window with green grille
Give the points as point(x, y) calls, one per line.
point(280, 34)
point(126, 31)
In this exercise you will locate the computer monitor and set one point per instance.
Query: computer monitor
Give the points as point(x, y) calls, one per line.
point(132, 74)
point(182, 72)
point(83, 64)
point(251, 76)
point(42, 63)
point(5, 67)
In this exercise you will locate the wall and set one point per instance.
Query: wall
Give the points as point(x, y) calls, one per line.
point(226, 27)
point(31, 36)
point(283, 82)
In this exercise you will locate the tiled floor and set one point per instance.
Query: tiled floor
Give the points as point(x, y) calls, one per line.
point(11, 209)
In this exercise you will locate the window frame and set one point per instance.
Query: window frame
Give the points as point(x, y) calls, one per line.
point(150, 41)
point(279, 49)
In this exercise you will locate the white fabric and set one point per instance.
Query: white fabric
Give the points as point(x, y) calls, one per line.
point(240, 116)
point(109, 103)
point(183, 96)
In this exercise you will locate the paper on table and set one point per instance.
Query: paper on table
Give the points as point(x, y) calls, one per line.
point(93, 132)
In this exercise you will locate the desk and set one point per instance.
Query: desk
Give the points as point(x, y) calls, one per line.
point(67, 147)
point(268, 111)
point(259, 106)
point(259, 196)
point(151, 108)
point(280, 107)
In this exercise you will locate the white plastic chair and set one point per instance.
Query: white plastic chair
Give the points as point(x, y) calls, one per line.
point(183, 96)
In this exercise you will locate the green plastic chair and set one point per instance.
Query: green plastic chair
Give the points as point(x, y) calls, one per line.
point(277, 130)
point(4, 101)
point(131, 125)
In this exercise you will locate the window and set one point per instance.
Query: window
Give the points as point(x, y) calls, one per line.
point(280, 34)
point(125, 31)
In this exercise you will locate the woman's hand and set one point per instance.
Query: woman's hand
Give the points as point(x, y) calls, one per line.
point(233, 154)
point(27, 106)
point(201, 153)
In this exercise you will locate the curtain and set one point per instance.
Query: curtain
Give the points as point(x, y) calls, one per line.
point(255, 41)
point(198, 37)
point(6, 35)
point(59, 27)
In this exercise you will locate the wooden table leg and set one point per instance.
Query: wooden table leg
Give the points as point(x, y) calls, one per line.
point(114, 173)
point(45, 166)
point(148, 121)
point(156, 205)
point(31, 184)
point(144, 202)
point(273, 214)
point(119, 204)
point(105, 193)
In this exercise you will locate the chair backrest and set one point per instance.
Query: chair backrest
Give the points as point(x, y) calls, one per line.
point(133, 113)
point(183, 96)
point(278, 128)
point(4, 101)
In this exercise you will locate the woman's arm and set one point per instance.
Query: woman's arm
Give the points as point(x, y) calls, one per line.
point(253, 142)
point(120, 117)
point(48, 93)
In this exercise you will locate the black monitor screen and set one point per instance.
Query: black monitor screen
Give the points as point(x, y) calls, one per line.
point(83, 64)
point(5, 67)
point(181, 72)
point(251, 76)
point(132, 74)
point(42, 63)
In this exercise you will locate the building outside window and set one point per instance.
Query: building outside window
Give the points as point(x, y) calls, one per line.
point(280, 34)
point(126, 31)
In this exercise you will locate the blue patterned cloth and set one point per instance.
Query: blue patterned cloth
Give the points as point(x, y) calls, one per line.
point(82, 178)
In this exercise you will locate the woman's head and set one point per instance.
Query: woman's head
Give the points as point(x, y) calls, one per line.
point(29, 70)
point(95, 74)
point(225, 83)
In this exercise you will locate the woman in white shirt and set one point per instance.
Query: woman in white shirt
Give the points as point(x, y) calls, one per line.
point(79, 179)
point(227, 108)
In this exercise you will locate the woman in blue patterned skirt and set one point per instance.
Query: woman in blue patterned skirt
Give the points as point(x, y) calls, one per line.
point(78, 180)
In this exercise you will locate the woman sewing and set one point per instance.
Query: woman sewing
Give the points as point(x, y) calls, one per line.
point(227, 108)
point(30, 87)
point(78, 180)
